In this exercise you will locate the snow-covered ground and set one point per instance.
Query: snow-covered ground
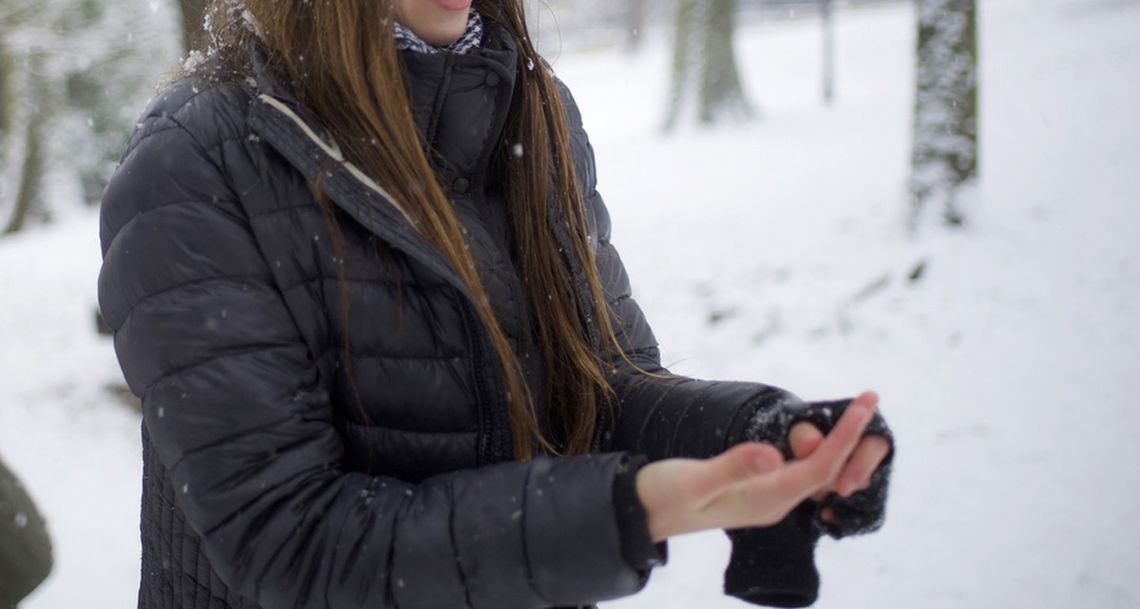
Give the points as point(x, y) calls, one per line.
point(777, 251)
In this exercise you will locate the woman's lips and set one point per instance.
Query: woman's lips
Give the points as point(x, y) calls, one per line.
point(454, 5)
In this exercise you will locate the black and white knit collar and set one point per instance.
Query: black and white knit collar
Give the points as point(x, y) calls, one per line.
point(472, 38)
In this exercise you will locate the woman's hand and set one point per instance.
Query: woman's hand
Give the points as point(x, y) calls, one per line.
point(805, 438)
point(751, 485)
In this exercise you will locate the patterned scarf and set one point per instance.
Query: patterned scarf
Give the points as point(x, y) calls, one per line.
point(472, 38)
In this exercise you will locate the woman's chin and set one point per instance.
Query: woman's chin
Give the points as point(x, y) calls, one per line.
point(442, 37)
point(437, 22)
point(454, 5)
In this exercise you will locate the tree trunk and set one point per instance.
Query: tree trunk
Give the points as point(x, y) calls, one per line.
point(945, 154)
point(193, 14)
point(684, 33)
point(721, 91)
point(828, 12)
point(7, 105)
point(7, 98)
point(634, 25)
point(704, 62)
point(30, 182)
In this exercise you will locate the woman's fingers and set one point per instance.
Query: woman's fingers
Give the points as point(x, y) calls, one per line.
point(764, 500)
point(870, 451)
point(856, 475)
point(867, 398)
point(820, 469)
point(804, 438)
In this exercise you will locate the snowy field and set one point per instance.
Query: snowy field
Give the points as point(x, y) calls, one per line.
point(777, 252)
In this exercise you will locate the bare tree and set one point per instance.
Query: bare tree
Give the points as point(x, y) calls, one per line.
point(30, 183)
point(73, 75)
point(704, 62)
point(22, 88)
point(945, 152)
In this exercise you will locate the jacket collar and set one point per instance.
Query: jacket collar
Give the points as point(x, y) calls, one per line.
point(460, 102)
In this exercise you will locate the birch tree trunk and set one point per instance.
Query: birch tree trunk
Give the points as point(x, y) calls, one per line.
point(704, 62)
point(945, 151)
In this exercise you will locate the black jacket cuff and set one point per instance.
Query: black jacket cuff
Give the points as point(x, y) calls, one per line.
point(637, 547)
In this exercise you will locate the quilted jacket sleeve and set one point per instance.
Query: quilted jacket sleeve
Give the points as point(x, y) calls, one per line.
point(242, 423)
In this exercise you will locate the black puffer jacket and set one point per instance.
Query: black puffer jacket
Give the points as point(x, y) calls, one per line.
point(264, 484)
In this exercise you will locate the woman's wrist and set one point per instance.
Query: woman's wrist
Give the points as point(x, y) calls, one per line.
point(661, 514)
point(638, 548)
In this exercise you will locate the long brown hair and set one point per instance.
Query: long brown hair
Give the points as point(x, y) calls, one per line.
point(340, 58)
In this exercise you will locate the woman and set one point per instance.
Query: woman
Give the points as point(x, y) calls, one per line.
point(362, 281)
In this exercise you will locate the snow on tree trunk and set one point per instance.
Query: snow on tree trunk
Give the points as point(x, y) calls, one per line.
point(945, 150)
point(704, 62)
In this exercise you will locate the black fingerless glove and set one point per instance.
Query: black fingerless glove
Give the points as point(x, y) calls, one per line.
point(861, 512)
point(774, 566)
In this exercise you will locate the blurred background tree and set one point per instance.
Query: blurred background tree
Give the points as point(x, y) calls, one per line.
point(28, 202)
point(74, 75)
point(636, 18)
point(945, 150)
point(704, 62)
